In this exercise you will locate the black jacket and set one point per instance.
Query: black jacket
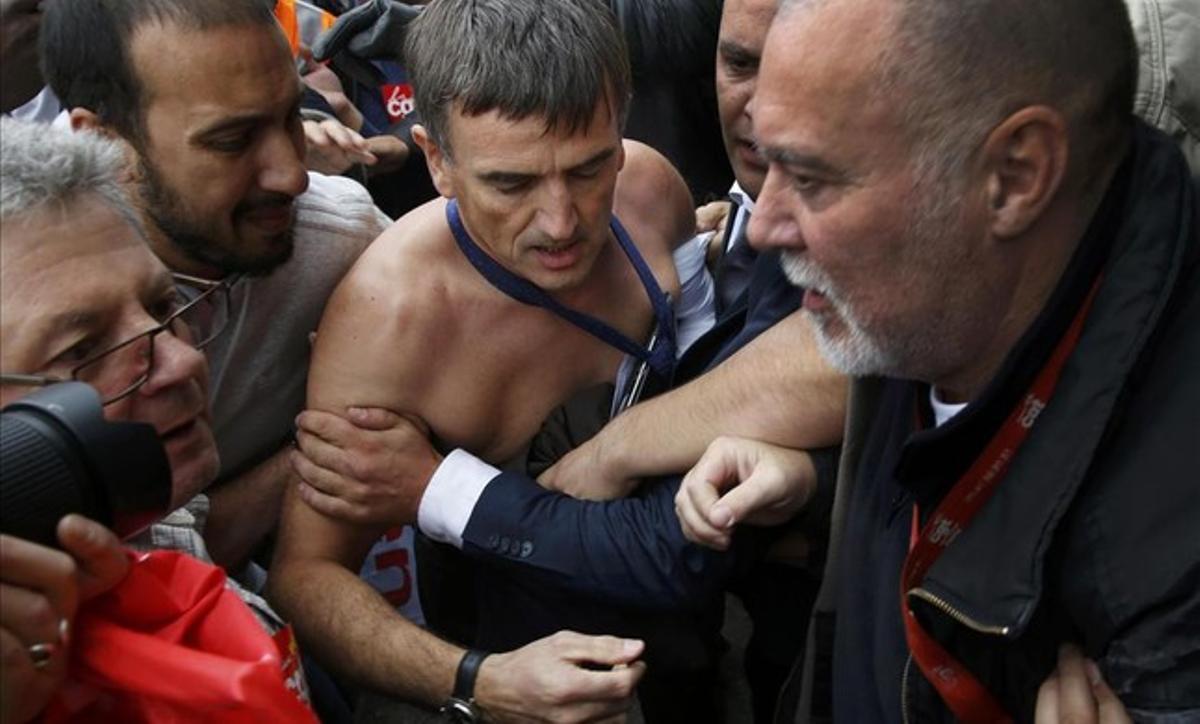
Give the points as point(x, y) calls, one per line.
point(1093, 537)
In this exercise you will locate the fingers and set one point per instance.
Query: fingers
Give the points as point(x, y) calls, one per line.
point(1108, 705)
point(325, 426)
point(334, 148)
point(327, 452)
point(101, 560)
point(25, 690)
point(44, 570)
point(754, 494)
point(334, 429)
point(603, 650)
point(322, 479)
point(374, 418)
point(1077, 693)
point(598, 694)
point(329, 505)
point(391, 152)
point(698, 494)
point(29, 616)
point(710, 214)
point(550, 679)
point(1046, 709)
point(604, 696)
point(1075, 700)
point(349, 141)
point(38, 595)
point(338, 430)
point(693, 502)
point(776, 482)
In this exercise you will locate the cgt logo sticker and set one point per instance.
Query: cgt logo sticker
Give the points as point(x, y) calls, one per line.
point(398, 101)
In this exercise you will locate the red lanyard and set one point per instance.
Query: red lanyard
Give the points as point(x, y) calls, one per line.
point(962, 693)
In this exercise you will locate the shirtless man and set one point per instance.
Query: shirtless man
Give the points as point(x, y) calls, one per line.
point(534, 166)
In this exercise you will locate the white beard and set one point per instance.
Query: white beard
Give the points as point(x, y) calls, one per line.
point(852, 351)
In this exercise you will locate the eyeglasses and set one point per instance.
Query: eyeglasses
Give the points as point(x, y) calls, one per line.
point(197, 317)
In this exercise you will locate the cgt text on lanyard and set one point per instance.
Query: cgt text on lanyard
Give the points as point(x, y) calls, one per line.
point(962, 693)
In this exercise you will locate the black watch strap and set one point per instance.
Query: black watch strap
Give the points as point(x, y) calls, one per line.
point(461, 706)
point(468, 669)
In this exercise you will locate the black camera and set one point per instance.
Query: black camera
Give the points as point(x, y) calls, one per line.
point(58, 455)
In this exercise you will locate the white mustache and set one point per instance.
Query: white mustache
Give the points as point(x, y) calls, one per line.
point(803, 273)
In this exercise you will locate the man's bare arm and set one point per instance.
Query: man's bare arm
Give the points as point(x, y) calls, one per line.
point(777, 389)
point(314, 579)
point(344, 621)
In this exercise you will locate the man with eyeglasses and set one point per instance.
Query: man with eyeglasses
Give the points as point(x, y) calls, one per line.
point(121, 369)
point(97, 307)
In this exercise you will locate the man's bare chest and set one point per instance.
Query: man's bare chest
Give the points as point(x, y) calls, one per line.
point(491, 392)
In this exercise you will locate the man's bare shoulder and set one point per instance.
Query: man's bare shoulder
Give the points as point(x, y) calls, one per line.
point(408, 248)
point(652, 196)
point(380, 318)
point(406, 268)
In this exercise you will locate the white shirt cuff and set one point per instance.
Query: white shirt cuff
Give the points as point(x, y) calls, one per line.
point(451, 496)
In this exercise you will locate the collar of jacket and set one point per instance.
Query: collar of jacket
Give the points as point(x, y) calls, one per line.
point(993, 574)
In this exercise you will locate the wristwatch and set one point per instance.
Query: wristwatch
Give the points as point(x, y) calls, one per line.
point(460, 707)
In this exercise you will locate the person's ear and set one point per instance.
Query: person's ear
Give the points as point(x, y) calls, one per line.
point(83, 119)
point(437, 160)
point(1026, 161)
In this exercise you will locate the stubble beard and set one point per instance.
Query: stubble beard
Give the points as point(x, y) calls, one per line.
point(197, 240)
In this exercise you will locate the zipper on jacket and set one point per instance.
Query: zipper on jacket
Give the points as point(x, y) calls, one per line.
point(957, 615)
point(904, 690)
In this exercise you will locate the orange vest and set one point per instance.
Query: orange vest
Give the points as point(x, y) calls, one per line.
point(301, 22)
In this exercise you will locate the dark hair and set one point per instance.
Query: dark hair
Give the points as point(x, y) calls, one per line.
point(85, 48)
point(523, 58)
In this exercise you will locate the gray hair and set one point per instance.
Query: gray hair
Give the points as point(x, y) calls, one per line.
point(43, 166)
point(959, 67)
point(553, 59)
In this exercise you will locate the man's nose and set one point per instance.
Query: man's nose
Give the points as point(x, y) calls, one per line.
point(282, 169)
point(772, 225)
point(558, 218)
point(175, 363)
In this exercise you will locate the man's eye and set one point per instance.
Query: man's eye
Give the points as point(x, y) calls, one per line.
point(511, 188)
point(806, 184)
point(230, 144)
point(165, 307)
point(78, 352)
point(740, 67)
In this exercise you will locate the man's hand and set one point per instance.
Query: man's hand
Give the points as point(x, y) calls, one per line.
point(332, 148)
point(371, 467)
point(390, 152)
point(1076, 693)
point(40, 590)
point(766, 485)
point(567, 677)
point(586, 473)
point(712, 217)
